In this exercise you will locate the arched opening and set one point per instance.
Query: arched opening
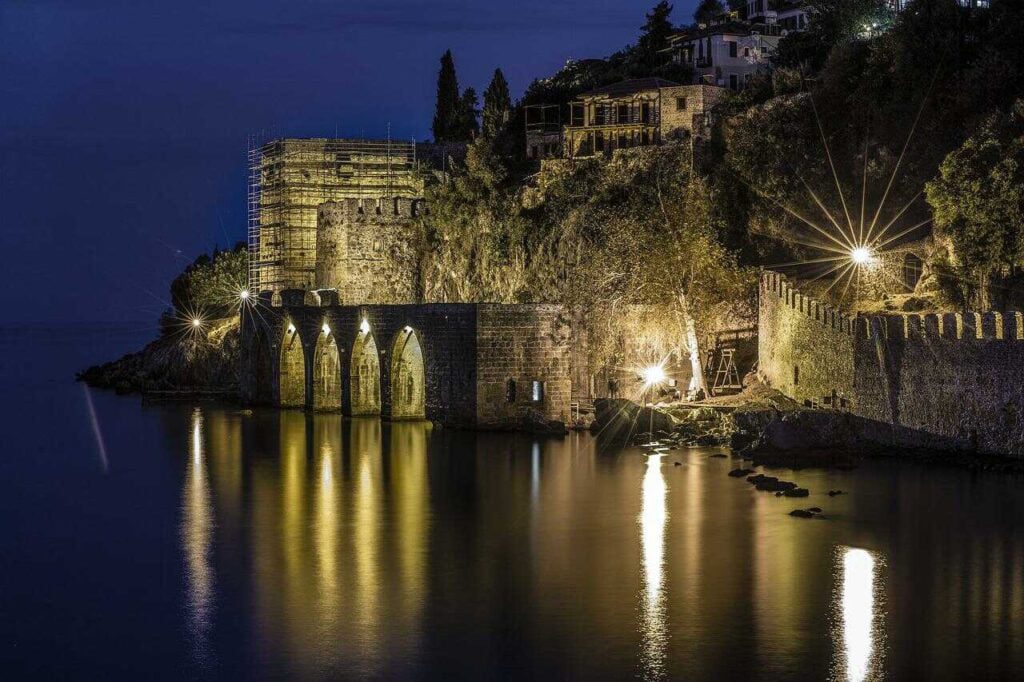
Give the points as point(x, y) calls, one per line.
point(264, 377)
point(912, 268)
point(365, 370)
point(292, 373)
point(408, 394)
point(326, 372)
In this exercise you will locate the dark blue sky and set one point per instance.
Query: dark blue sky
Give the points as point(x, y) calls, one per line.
point(123, 123)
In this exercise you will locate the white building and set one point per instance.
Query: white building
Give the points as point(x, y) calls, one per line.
point(728, 54)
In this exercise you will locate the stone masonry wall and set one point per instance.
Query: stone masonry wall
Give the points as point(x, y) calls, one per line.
point(523, 344)
point(700, 103)
point(951, 381)
point(366, 250)
point(805, 348)
point(465, 348)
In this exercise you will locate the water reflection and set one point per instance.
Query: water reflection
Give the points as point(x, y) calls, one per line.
point(653, 516)
point(860, 634)
point(352, 549)
point(197, 536)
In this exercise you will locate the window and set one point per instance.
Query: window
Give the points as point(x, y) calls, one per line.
point(599, 142)
point(796, 375)
point(912, 267)
point(510, 391)
point(734, 83)
point(645, 112)
point(623, 113)
point(680, 104)
point(378, 245)
point(732, 48)
point(537, 391)
point(746, 52)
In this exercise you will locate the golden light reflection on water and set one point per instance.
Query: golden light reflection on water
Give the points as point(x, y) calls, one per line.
point(858, 631)
point(197, 537)
point(653, 517)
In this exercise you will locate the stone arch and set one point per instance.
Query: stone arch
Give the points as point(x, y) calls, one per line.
point(264, 369)
point(913, 267)
point(326, 371)
point(292, 369)
point(365, 375)
point(408, 379)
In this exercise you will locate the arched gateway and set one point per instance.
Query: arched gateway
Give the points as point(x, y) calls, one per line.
point(292, 373)
point(408, 382)
point(326, 372)
point(365, 371)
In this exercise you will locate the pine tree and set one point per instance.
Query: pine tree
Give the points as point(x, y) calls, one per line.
point(497, 104)
point(447, 110)
point(654, 35)
point(708, 10)
point(469, 110)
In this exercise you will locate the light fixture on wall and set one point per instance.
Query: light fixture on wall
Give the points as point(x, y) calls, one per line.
point(326, 329)
point(364, 326)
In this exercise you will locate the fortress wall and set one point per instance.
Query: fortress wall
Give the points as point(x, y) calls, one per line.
point(366, 249)
point(948, 381)
point(523, 344)
point(805, 348)
point(953, 381)
point(468, 349)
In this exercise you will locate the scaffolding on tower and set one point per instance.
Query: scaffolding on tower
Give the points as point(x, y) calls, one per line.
point(290, 177)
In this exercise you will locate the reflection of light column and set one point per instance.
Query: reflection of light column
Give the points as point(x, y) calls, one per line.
point(326, 541)
point(196, 537)
point(860, 650)
point(653, 516)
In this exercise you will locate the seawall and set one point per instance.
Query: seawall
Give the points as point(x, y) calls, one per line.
point(952, 381)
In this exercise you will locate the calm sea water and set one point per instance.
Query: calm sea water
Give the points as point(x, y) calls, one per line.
point(191, 541)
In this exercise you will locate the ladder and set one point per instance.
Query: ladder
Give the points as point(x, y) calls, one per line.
point(727, 375)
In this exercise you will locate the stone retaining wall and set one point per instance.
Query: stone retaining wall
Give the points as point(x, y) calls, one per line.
point(951, 381)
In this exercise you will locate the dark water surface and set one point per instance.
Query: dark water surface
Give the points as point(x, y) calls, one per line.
point(184, 541)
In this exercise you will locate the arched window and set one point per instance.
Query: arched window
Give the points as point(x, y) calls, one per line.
point(912, 268)
point(510, 391)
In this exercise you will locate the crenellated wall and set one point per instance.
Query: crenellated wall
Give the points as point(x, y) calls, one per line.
point(949, 381)
point(366, 250)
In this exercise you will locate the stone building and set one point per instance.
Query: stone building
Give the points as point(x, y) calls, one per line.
point(727, 54)
point(637, 113)
point(366, 250)
point(289, 179)
point(357, 337)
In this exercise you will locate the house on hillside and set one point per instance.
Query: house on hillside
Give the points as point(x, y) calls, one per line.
point(726, 54)
point(637, 113)
point(788, 15)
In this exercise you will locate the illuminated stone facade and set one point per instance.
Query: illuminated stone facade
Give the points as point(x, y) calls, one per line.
point(465, 364)
point(945, 381)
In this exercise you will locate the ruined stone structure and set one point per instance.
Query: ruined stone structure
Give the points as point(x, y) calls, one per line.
point(366, 250)
point(466, 364)
point(946, 381)
point(289, 179)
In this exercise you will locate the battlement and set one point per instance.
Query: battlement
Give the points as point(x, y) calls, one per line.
point(379, 209)
point(833, 318)
point(987, 326)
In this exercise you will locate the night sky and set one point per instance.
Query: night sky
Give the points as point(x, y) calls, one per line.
point(123, 123)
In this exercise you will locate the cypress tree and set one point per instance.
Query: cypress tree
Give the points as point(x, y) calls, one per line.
point(497, 104)
point(447, 110)
point(469, 109)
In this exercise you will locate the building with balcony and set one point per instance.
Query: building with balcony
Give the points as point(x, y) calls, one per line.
point(787, 15)
point(728, 54)
point(637, 113)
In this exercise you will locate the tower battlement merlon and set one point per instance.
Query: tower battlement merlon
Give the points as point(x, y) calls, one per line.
point(382, 209)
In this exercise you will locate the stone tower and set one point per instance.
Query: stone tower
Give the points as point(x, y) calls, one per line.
point(366, 250)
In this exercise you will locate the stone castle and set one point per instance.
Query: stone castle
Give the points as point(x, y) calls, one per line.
point(339, 323)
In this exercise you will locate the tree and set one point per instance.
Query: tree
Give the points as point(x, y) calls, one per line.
point(447, 117)
point(469, 109)
point(654, 35)
point(497, 104)
point(978, 203)
point(708, 10)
